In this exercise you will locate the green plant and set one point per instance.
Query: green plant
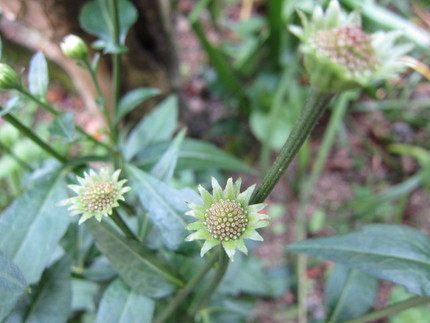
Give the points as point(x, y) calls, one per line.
point(129, 257)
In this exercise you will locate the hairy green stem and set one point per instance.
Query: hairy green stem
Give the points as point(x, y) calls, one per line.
point(54, 112)
point(307, 189)
point(123, 226)
point(189, 287)
point(391, 310)
point(316, 104)
point(29, 133)
point(222, 268)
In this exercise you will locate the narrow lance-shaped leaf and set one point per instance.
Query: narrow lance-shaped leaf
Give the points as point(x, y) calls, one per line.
point(166, 206)
point(12, 285)
point(135, 264)
point(38, 78)
point(165, 167)
point(393, 252)
point(53, 297)
point(195, 154)
point(157, 126)
point(32, 225)
point(132, 99)
point(63, 126)
point(120, 304)
point(349, 294)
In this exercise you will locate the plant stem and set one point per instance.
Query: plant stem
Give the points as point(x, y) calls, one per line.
point(182, 294)
point(54, 112)
point(116, 77)
point(123, 226)
point(391, 310)
point(100, 97)
point(222, 268)
point(316, 104)
point(307, 189)
point(28, 132)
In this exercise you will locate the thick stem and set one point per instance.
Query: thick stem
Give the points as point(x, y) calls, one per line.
point(391, 310)
point(222, 268)
point(33, 137)
point(123, 226)
point(182, 294)
point(316, 104)
point(306, 193)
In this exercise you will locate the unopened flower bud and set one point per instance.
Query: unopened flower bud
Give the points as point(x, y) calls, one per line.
point(74, 47)
point(8, 77)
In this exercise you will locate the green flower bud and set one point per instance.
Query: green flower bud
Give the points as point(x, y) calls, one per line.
point(74, 47)
point(339, 56)
point(226, 218)
point(97, 195)
point(8, 78)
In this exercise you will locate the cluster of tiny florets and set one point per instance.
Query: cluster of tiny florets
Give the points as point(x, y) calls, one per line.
point(347, 45)
point(226, 220)
point(99, 197)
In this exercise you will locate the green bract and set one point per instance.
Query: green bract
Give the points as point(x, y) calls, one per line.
point(226, 218)
point(97, 195)
point(339, 56)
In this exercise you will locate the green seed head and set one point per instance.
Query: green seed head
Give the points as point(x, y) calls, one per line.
point(99, 197)
point(347, 46)
point(226, 220)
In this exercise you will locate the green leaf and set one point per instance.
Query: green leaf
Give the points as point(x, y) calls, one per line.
point(32, 225)
point(157, 126)
point(195, 154)
point(53, 297)
point(280, 128)
point(14, 103)
point(84, 293)
point(63, 126)
point(132, 99)
point(102, 27)
point(349, 294)
point(392, 252)
point(135, 264)
point(164, 168)
point(166, 206)
point(38, 78)
point(120, 304)
point(12, 285)
point(248, 275)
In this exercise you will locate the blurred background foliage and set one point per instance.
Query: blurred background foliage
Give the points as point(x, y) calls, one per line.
point(240, 84)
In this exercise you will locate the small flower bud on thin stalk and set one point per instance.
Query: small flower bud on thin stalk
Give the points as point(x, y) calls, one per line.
point(97, 195)
point(339, 56)
point(8, 78)
point(74, 47)
point(226, 218)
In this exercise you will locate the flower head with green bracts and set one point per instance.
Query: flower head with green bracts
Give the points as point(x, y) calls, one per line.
point(97, 194)
point(226, 218)
point(339, 56)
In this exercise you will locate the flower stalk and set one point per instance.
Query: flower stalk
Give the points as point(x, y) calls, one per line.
point(29, 133)
point(316, 104)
